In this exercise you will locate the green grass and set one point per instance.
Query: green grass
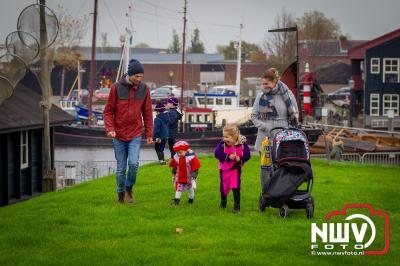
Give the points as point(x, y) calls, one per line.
point(83, 225)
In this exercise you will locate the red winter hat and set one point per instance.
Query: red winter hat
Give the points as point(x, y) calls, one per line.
point(181, 146)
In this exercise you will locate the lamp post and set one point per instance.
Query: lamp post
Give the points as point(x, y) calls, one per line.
point(351, 86)
point(171, 74)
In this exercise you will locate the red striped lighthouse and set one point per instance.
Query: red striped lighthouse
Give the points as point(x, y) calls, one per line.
point(307, 83)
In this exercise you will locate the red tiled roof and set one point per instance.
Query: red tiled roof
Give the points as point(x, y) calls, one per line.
point(329, 47)
point(358, 52)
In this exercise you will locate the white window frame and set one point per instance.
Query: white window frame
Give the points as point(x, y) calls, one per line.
point(199, 118)
point(210, 101)
point(191, 118)
point(377, 65)
point(397, 72)
point(370, 104)
point(390, 101)
point(24, 156)
point(201, 100)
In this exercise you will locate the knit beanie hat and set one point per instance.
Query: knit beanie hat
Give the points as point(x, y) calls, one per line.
point(159, 108)
point(181, 146)
point(173, 100)
point(135, 67)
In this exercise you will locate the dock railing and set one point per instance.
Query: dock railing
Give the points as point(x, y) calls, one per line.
point(387, 158)
point(70, 173)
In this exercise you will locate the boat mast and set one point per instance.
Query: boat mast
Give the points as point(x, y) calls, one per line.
point(239, 65)
point(79, 80)
point(183, 61)
point(92, 64)
point(121, 61)
point(126, 44)
point(128, 38)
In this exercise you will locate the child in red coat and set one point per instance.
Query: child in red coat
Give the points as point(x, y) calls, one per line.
point(185, 167)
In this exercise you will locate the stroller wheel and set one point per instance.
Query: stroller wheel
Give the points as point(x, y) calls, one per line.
point(310, 210)
point(284, 211)
point(262, 203)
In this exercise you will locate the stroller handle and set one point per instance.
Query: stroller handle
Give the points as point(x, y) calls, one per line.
point(283, 128)
point(275, 128)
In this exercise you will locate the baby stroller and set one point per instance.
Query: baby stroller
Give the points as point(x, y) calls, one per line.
point(290, 156)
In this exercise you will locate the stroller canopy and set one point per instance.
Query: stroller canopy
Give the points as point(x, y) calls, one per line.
point(290, 135)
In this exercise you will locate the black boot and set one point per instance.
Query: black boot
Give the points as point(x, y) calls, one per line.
point(171, 143)
point(236, 200)
point(161, 159)
point(159, 156)
point(175, 201)
point(121, 196)
point(190, 201)
point(222, 205)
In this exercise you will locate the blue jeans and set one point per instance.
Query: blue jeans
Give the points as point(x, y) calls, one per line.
point(127, 152)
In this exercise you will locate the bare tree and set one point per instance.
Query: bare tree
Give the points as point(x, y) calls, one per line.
point(197, 47)
point(281, 46)
point(175, 47)
point(105, 45)
point(314, 29)
point(250, 52)
point(71, 33)
point(315, 25)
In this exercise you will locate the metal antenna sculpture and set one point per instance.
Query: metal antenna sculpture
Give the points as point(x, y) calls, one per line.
point(24, 45)
point(28, 47)
point(22, 49)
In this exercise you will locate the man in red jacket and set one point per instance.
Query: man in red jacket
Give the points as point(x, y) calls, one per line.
point(128, 108)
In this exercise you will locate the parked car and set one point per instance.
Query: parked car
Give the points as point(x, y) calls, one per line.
point(84, 95)
point(223, 89)
point(165, 92)
point(341, 96)
point(102, 94)
point(160, 95)
point(152, 85)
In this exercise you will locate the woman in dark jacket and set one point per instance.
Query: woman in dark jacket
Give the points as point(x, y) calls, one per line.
point(174, 116)
point(161, 131)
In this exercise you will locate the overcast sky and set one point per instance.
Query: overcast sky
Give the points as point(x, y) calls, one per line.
point(217, 20)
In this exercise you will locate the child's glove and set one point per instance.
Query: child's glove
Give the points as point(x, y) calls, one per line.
point(157, 140)
point(194, 184)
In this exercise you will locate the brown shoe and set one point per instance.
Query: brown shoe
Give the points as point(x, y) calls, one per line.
point(121, 196)
point(129, 195)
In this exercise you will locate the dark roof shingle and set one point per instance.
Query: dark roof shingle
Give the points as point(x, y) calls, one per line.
point(22, 111)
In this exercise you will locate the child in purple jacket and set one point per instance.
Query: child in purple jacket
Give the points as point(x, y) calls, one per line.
point(232, 152)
